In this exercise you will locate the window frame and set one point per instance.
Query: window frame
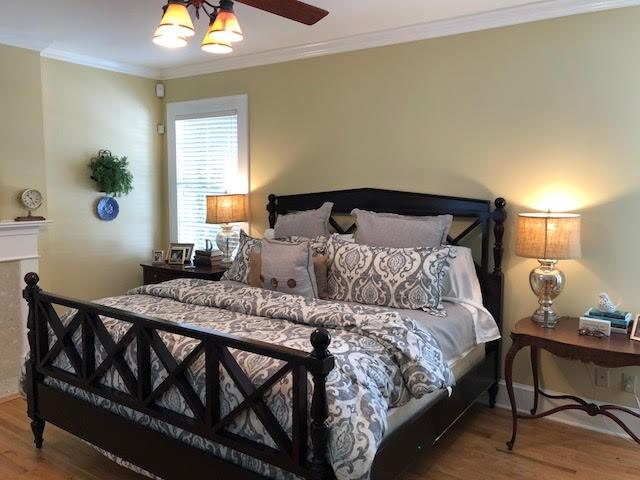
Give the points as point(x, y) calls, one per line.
point(200, 108)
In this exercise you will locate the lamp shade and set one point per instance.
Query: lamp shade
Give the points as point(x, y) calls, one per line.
point(226, 208)
point(176, 21)
point(210, 45)
point(226, 27)
point(550, 236)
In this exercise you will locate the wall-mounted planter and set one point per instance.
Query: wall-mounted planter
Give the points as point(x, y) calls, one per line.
point(113, 179)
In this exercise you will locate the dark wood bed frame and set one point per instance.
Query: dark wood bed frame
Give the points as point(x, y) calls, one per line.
point(167, 457)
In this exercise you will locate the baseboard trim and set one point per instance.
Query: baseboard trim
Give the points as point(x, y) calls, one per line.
point(601, 424)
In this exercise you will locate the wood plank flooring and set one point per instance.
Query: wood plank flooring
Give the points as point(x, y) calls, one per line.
point(473, 450)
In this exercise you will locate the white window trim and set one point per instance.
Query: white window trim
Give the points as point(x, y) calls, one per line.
point(212, 106)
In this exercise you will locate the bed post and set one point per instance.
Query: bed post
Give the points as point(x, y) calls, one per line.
point(32, 376)
point(320, 339)
point(499, 215)
point(271, 208)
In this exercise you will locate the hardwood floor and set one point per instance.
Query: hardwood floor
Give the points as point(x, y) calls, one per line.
point(474, 449)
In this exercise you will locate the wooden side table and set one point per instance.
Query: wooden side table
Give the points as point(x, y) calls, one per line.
point(163, 272)
point(564, 341)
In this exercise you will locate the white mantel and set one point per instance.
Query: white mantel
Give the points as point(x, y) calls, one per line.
point(19, 240)
point(18, 244)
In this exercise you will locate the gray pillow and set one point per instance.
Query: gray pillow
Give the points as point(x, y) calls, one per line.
point(400, 231)
point(409, 278)
point(239, 269)
point(308, 224)
point(288, 267)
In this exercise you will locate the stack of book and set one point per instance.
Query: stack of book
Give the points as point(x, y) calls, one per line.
point(620, 321)
point(208, 258)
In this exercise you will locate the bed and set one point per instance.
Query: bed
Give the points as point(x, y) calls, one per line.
point(189, 373)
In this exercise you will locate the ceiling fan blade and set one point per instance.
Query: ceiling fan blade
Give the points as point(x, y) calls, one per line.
point(291, 9)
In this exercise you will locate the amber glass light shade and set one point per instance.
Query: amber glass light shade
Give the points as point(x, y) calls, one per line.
point(225, 27)
point(210, 45)
point(226, 208)
point(550, 236)
point(176, 22)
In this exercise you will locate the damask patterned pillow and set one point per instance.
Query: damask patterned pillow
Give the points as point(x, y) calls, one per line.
point(239, 269)
point(407, 278)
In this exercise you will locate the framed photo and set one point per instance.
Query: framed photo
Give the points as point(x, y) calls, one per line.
point(158, 256)
point(188, 246)
point(177, 255)
point(635, 330)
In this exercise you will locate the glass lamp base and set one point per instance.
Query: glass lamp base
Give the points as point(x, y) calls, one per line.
point(227, 241)
point(546, 282)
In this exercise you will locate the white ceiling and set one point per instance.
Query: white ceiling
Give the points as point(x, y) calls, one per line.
point(119, 31)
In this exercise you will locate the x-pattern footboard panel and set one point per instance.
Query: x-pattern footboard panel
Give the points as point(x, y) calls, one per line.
point(51, 338)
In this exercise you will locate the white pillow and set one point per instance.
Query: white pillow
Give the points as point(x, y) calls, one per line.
point(463, 287)
point(269, 234)
point(462, 281)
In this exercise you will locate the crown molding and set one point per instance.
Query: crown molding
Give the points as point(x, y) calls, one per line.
point(100, 63)
point(440, 28)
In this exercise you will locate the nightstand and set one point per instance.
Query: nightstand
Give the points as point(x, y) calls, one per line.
point(163, 272)
point(564, 341)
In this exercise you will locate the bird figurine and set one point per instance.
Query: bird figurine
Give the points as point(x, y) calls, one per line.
point(605, 304)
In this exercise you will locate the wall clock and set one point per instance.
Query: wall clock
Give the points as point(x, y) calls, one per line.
point(31, 199)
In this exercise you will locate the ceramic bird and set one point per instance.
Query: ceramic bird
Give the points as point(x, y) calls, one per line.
point(605, 304)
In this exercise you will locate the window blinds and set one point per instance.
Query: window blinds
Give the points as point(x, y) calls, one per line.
point(206, 164)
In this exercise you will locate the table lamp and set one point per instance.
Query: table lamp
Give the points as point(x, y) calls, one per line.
point(224, 210)
point(548, 237)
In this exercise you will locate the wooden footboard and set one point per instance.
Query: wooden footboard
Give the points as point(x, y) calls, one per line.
point(155, 452)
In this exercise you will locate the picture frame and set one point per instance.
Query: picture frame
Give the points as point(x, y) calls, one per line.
point(157, 257)
point(188, 246)
point(635, 330)
point(177, 255)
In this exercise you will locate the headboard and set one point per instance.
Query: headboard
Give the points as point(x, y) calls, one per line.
point(478, 212)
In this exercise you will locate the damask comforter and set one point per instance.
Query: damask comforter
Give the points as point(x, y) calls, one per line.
point(382, 360)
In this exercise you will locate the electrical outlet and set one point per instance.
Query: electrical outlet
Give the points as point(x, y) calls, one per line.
point(629, 383)
point(602, 377)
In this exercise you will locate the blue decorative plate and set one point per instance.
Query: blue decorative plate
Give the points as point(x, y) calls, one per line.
point(107, 209)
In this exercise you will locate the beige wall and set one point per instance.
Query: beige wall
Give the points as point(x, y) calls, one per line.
point(21, 139)
point(537, 113)
point(86, 110)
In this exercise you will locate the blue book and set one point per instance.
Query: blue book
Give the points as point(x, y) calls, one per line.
point(617, 315)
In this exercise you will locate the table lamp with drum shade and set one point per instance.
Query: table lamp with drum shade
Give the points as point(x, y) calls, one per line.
point(548, 237)
point(224, 210)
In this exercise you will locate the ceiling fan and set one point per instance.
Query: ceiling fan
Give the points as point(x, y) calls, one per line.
point(176, 25)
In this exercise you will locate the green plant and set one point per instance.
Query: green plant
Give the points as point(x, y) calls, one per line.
point(111, 173)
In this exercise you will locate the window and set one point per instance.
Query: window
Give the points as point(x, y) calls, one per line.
point(208, 154)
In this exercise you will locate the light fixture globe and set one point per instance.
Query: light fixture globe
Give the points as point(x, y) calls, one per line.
point(176, 22)
point(226, 27)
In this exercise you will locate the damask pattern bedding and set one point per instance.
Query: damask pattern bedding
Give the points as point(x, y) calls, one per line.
point(383, 359)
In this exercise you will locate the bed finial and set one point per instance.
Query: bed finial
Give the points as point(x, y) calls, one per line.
point(31, 279)
point(320, 339)
point(499, 216)
point(271, 208)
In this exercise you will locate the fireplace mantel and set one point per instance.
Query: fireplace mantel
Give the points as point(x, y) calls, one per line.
point(19, 240)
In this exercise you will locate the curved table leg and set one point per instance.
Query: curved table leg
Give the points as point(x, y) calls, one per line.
point(508, 377)
point(536, 384)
